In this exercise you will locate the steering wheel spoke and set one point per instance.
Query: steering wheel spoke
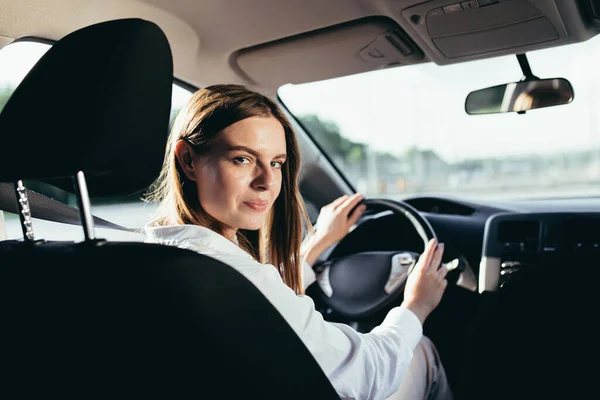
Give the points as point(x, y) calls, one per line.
point(323, 281)
point(402, 265)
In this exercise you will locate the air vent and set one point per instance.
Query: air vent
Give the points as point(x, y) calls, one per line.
point(578, 235)
point(519, 236)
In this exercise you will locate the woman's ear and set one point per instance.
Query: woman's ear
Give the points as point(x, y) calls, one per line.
point(185, 158)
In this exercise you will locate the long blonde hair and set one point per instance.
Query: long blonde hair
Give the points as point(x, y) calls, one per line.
point(200, 121)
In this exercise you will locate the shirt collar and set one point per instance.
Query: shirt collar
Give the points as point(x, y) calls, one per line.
point(196, 236)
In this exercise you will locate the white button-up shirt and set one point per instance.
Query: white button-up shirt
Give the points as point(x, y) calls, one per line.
point(359, 365)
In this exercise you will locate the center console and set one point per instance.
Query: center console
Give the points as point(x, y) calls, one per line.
point(514, 243)
point(538, 280)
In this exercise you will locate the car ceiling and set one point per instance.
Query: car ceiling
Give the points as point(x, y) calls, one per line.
point(262, 43)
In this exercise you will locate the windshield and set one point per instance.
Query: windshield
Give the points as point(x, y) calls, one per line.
point(404, 131)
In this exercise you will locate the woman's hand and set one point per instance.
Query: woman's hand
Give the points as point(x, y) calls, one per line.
point(426, 283)
point(334, 221)
point(333, 224)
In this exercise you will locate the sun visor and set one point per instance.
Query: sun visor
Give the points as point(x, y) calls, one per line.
point(345, 49)
point(471, 28)
point(99, 102)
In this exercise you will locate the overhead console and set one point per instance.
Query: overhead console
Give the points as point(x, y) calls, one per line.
point(467, 29)
point(517, 243)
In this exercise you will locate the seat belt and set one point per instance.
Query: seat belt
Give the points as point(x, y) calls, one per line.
point(46, 208)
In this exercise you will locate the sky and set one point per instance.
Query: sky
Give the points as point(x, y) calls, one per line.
point(17, 59)
point(423, 106)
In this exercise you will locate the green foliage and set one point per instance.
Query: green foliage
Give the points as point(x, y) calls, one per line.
point(5, 93)
point(329, 137)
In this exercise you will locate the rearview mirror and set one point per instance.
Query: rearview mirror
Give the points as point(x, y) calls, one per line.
point(520, 96)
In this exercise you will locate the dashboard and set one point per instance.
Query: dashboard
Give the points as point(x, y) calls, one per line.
point(498, 240)
point(502, 240)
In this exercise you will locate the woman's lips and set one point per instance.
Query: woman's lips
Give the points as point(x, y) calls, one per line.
point(258, 206)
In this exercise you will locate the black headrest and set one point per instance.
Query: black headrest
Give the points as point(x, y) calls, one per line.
point(98, 101)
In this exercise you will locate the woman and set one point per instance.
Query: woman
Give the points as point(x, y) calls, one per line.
point(228, 190)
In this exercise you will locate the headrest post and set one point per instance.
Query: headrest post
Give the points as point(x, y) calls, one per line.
point(83, 202)
point(24, 212)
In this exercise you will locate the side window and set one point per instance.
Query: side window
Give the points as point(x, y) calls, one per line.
point(16, 60)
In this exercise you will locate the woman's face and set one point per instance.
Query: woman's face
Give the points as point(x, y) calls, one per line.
point(240, 178)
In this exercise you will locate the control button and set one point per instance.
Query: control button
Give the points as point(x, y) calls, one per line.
point(435, 13)
point(514, 246)
point(508, 271)
point(452, 8)
point(451, 265)
point(469, 5)
point(483, 3)
point(510, 264)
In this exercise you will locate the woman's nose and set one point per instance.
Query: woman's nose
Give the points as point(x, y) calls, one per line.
point(265, 179)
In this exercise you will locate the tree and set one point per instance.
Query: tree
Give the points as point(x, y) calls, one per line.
point(5, 93)
point(328, 136)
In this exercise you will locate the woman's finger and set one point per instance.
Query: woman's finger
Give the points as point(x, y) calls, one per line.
point(358, 211)
point(425, 258)
point(437, 257)
point(442, 272)
point(350, 203)
point(338, 201)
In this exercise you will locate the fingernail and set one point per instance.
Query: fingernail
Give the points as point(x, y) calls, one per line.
point(363, 208)
point(441, 246)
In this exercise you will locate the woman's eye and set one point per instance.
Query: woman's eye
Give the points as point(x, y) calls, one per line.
point(241, 160)
point(277, 164)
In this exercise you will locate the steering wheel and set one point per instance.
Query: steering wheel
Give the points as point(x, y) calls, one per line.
point(358, 285)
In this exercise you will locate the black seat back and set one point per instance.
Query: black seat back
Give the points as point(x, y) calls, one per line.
point(141, 320)
point(108, 319)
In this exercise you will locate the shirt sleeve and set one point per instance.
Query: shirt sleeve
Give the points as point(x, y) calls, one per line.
point(308, 275)
point(360, 366)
